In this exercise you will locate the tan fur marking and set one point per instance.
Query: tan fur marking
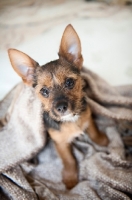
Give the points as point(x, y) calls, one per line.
point(70, 170)
point(63, 137)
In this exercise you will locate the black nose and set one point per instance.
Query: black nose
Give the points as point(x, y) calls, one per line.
point(62, 107)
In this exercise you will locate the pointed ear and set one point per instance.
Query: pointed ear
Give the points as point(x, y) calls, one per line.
point(70, 47)
point(23, 65)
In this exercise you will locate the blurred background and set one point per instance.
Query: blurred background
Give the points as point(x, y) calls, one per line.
point(36, 26)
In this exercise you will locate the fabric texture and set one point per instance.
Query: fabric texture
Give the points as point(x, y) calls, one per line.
point(30, 167)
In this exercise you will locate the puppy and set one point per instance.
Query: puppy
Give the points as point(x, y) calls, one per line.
point(60, 87)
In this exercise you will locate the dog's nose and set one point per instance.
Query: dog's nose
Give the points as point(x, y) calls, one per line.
point(62, 107)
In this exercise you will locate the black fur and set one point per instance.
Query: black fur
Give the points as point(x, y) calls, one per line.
point(50, 123)
point(84, 104)
point(54, 64)
point(59, 97)
point(35, 81)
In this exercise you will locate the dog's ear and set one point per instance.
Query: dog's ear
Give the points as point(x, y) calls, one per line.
point(23, 65)
point(70, 47)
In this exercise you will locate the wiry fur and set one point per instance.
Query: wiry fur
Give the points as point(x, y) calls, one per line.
point(65, 111)
point(53, 76)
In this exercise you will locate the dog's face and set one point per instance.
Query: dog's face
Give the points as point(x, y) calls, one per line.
point(58, 84)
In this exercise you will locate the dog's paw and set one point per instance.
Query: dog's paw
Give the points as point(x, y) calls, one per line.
point(70, 177)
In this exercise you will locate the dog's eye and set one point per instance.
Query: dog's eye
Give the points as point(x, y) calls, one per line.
point(45, 92)
point(69, 83)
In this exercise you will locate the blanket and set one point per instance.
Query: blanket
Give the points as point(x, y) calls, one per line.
point(30, 167)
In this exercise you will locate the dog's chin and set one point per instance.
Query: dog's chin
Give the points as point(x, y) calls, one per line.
point(69, 118)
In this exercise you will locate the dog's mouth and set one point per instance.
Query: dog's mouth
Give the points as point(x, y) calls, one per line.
point(64, 110)
point(70, 117)
point(66, 116)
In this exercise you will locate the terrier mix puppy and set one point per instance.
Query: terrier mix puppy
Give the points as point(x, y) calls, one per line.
point(60, 87)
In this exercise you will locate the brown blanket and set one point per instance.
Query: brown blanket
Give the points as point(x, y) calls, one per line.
point(30, 167)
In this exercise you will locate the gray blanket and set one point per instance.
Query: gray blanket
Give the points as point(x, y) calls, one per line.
point(30, 167)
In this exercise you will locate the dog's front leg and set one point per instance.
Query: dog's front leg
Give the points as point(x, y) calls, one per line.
point(87, 124)
point(96, 135)
point(70, 171)
point(63, 139)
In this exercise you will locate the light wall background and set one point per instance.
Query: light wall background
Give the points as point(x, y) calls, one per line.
point(36, 27)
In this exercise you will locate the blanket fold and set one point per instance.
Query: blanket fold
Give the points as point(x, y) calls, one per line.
point(30, 167)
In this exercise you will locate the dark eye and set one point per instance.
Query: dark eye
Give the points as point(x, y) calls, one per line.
point(69, 83)
point(45, 92)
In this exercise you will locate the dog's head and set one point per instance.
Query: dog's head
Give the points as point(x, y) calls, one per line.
point(58, 84)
